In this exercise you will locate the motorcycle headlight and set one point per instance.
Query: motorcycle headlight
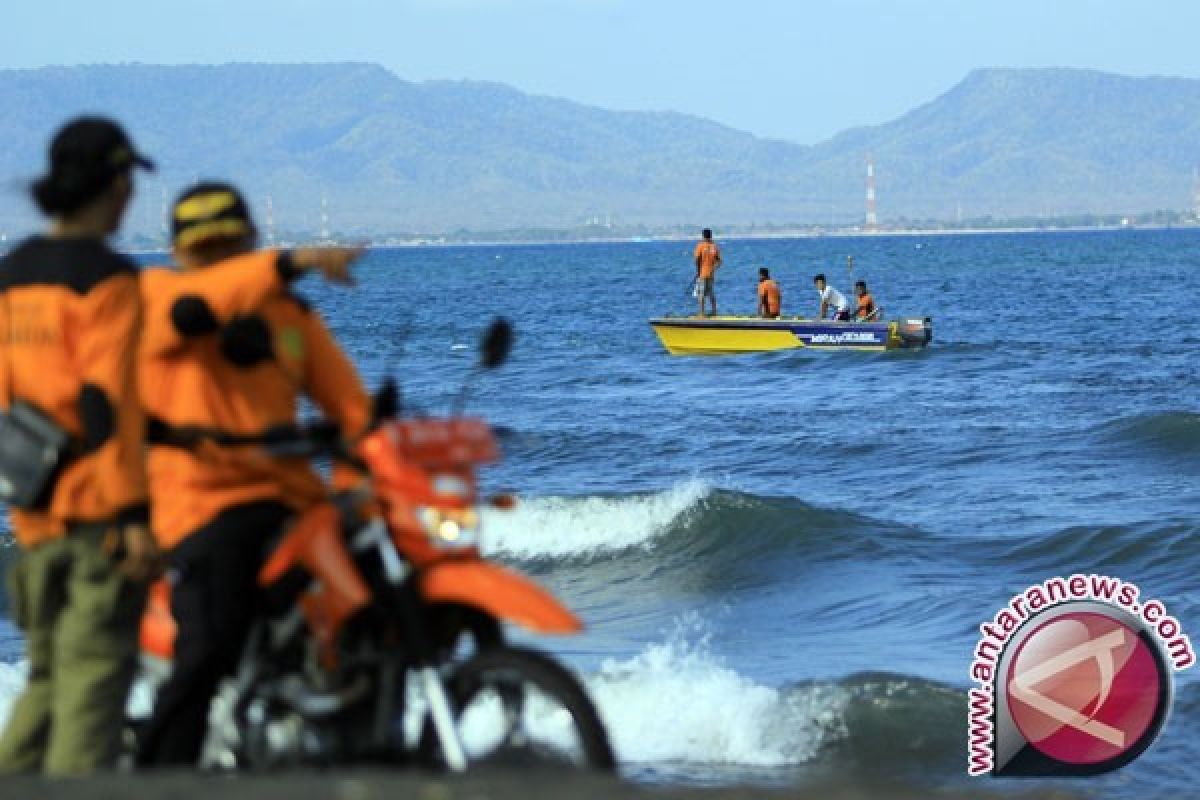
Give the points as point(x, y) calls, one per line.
point(451, 530)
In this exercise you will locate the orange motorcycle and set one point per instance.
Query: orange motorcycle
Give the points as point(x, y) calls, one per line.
point(384, 639)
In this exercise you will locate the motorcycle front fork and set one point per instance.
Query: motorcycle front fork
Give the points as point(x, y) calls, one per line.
point(400, 576)
point(443, 719)
point(436, 701)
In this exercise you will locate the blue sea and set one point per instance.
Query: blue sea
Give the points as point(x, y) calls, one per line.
point(783, 559)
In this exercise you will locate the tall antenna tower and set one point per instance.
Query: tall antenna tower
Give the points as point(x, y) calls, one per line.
point(270, 222)
point(166, 225)
point(324, 218)
point(1196, 193)
point(872, 220)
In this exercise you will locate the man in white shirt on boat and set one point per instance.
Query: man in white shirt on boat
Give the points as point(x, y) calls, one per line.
point(831, 300)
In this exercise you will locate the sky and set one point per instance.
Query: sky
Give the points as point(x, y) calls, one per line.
point(788, 69)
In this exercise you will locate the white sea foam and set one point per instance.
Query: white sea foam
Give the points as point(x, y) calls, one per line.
point(12, 679)
point(676, 702)
point(562, 527)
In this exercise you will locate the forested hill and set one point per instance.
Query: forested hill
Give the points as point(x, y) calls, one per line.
point(393, 155)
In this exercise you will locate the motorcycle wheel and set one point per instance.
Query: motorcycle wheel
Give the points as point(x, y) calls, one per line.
point(517, 706)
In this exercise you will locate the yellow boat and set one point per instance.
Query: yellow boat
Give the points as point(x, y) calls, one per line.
point(730, 335)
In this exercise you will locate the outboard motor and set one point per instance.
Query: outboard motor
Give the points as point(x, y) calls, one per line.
point(915, 331)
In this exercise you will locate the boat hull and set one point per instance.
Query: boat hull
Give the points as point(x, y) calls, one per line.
point(732, 335)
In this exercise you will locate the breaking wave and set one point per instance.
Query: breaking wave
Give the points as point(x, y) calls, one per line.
point(677, 703)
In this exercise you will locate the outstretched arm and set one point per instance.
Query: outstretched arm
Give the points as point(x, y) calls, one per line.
point(183, 305)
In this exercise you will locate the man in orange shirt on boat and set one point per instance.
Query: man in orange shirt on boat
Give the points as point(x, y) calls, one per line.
point(708, 260)
point(769, 296)
point(867, 310)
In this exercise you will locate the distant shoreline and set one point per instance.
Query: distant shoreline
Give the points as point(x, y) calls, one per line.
point(773, 235)
point(392, 243)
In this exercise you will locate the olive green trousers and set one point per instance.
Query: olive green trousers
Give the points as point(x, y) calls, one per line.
point(80, 618)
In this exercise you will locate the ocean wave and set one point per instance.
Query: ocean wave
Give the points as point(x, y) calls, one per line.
point(695, 522)
point(676, 703)
point(891, 723)
point(581, 527)
point(1160, 551)
point(1165, 432)
point(692, 519)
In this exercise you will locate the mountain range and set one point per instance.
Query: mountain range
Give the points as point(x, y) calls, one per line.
point(389, 155)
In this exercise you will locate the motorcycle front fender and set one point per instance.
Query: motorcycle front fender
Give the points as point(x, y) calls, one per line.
point(499, 593)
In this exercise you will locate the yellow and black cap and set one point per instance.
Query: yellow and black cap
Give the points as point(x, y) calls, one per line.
point(209, 211)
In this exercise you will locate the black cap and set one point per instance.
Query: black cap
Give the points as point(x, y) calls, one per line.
point(85, 155)
point(97, 145)
point(209, 210)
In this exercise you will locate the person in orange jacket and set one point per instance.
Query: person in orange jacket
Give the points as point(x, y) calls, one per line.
point(227, 351)
point(70, 313)
point(769, 296)
point(866, 311)
point(707, 257)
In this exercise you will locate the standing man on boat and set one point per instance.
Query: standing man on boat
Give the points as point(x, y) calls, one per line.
point(831, 300)
point(769, 296)
point(708, 261)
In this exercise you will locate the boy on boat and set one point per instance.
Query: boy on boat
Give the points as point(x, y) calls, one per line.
point(867, 310)
point(708, 260)
point(769, 296)
point(831, 300)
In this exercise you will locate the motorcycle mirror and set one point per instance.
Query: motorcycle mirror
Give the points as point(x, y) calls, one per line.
point(497, 343)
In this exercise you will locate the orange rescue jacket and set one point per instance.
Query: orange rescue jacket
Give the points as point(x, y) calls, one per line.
point(866, 306)
point(228, 348)
point(69, 316)
point(768, 294)
point(708, 255)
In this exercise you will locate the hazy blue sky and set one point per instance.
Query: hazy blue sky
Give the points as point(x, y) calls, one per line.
point(796, 70)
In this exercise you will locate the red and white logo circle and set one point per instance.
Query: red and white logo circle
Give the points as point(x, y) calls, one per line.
point(1084, 689)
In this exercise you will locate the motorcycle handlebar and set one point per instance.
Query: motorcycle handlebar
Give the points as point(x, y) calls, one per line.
point(323, 437)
